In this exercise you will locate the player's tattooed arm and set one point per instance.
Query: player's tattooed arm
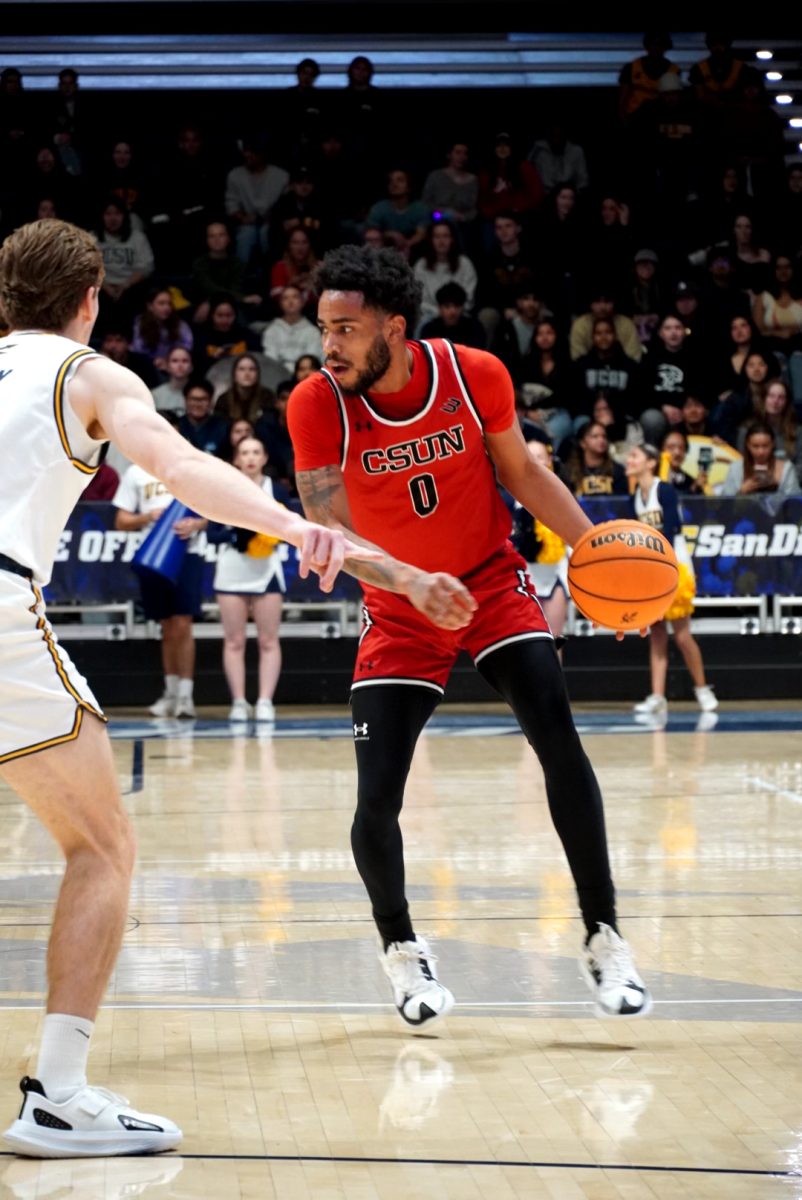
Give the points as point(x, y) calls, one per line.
point(325, 501)
point(440, 597)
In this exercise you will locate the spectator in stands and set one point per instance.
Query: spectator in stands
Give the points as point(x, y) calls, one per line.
point(645, 294)
point(544, 370)
point(670, 371)
point(237, 430)
point(560, 249)
point(742, 404)
point(716, 80)
point(720, 202)
point(103, 484)
point(222, 335)
point(140, 500)
point(675, 450)
point(755, 134)
point(441, 262)
point(722, 299)
point(169, 396)
point(452, 322)
point(301, 207)
point(252, 191)
point(187, 199)
point(246, 399)
point(116, 345)
point(776, 409)
point(48, 179)
point(655, 504)
point(452, 191)
point(605, 371)
point(512, 339)
point(508, 184)
point(558, 162)
point(127, 262)
point(402, 220)
point(610, 245)
point(507, 267)
point(291, 334)
point(344, 192)
point(602, 304)
point(199, 425)
point(218, 271)
point(306, 365)
point(159, 329)
point(273, 431)
point(787, 214)
point(16, 119)
point(296, 268)
point(361, 109)
point(249, 582)
point(760, 470)
point(777, 311)
point(303, 108)
point(590, 468)
point(671, 149)
point(696, 420)
point(638, 81)
point(68, 121)
point(121, 177)
point(751, 259)
point(686, 303)
point(727, 373)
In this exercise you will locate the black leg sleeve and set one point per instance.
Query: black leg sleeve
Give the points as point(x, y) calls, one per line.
point(388, 720)
point(529, 677)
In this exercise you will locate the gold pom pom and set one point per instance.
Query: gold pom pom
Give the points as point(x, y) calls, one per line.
point(262, 546)
point(551, 548)
point(682, 604)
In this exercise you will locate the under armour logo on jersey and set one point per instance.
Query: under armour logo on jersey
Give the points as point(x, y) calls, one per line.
point(451, 405)
point(361, 733)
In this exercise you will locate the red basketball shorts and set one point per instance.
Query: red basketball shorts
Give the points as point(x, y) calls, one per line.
point(399, 645)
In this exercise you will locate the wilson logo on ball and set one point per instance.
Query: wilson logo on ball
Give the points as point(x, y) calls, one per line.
point(647, 540)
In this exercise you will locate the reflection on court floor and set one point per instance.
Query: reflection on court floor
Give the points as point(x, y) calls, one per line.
point(248, 1003)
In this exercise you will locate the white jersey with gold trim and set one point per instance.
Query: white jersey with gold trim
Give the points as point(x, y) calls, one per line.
point(48, 457)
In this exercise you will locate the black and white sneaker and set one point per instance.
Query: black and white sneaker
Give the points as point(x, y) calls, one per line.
point(608, 969)
point(419, 996)
point(92, 1123)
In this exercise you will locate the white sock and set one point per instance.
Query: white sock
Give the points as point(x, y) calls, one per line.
point(171, 685)
point(61, 1068)
point(185, 687)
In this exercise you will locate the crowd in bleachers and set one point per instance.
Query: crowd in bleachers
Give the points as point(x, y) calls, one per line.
point(651, 292)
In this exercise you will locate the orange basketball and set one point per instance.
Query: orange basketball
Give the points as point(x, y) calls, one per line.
point(623, 574)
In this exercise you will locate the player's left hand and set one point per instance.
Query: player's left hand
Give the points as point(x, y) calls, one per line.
point(442, 598)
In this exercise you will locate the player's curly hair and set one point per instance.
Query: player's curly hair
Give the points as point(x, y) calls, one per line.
point(383, 277)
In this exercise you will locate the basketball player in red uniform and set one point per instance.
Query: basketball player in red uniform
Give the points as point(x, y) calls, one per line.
point(401, 443)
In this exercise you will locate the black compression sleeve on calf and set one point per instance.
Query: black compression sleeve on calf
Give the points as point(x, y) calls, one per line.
point(529, 677)
point(387, 719)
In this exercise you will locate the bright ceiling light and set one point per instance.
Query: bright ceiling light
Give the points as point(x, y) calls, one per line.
point(764, 54)
point(784, 98)
point(795, 122)
point(774, 76)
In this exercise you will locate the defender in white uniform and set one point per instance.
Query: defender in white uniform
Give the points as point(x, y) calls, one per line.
point(59, 402)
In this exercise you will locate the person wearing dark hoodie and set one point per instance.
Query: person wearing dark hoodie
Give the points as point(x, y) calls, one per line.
point(668, 373)
point(605, 372)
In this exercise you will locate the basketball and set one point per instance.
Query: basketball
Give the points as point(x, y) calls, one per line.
point(623, 574)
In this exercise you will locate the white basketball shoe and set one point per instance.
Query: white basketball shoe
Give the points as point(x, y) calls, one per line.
point(608, 969)
point(419, 996)
point(92, 1123)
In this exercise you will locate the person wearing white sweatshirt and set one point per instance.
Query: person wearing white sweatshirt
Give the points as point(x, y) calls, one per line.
point(289, 336)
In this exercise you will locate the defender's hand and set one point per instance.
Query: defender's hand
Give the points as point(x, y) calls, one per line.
point(443, 599)
point(324, 550)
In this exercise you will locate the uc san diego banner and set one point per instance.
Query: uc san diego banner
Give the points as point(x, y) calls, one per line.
point(746, 546)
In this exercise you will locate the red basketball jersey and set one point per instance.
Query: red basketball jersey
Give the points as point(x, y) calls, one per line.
point(421, 487)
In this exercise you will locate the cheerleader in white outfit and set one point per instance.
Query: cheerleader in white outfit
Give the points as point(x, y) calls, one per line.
point(249, 579)
point(655, 503)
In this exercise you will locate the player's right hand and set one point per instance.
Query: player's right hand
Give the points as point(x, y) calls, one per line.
point(443, 599)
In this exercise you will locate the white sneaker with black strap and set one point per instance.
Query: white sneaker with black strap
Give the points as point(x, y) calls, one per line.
point(419, 996)
point(609, 970)
point(92, 1123)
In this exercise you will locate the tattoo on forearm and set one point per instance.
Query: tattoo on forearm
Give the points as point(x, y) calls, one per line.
point(319, 490)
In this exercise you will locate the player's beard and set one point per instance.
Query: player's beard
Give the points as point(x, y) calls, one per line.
point(376, 364)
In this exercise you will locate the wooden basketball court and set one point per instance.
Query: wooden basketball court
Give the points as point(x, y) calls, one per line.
point(248, 1004)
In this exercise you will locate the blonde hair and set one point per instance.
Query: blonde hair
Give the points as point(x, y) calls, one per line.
point(45, 269)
